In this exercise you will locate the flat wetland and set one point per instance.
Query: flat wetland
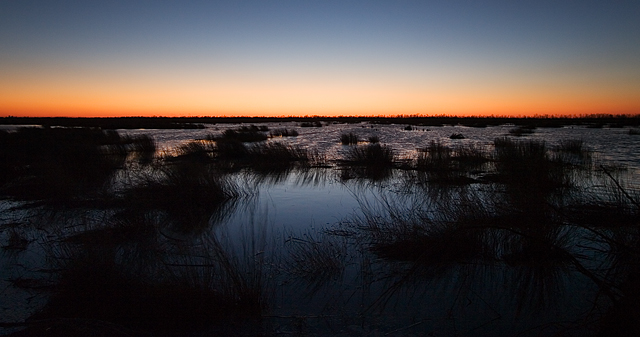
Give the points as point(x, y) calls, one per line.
point(320, 227)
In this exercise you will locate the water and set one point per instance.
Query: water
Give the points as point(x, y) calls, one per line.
point(612, 144)
point(282, 224)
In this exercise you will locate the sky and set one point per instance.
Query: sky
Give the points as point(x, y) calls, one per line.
point(297, 58)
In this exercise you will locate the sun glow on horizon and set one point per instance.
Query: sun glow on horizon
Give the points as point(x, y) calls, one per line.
point(358, 58)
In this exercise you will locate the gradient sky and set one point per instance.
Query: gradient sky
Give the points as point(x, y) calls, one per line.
point(273, 58)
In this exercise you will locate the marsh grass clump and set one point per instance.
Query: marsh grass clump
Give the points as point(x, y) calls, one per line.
point(230, 149)
point(349, 138)
point(371, 155)
point(60, 165)
point(470, 156)
point(278, 154)
point(522, 130)
point(194, 151)
point(436, 245)
point(143, 147)
point(538, 244)
point(314, 124)
point(246, 134)
point(374, 139)
point(16, 239)
point(247, 137)
point(93, 285)
point(440, 163)
point(436, 157)
point(573, 152)
point(527, 163)
point(283, 133)
point(316, 259)
point(189, 192)
point(456, 136)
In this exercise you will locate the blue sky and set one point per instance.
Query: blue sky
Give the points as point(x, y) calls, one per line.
point(320, 57)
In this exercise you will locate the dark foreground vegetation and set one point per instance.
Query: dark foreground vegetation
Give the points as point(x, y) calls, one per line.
point(135, 242)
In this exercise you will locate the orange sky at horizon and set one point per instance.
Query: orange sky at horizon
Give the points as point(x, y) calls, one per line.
point(61, 100)
point(328, 58)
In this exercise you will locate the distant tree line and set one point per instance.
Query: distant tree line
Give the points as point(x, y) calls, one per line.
point(599, 120)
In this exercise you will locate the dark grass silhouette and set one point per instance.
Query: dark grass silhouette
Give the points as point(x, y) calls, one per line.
point(171, 299)
point(522, 130)
point(190, 190)
point(371, 155)
point(246, 134)
point(313, 124)
point(283, 133)
point(349, 138)
point(372, 161)
point(443, 164)
point(64, 165)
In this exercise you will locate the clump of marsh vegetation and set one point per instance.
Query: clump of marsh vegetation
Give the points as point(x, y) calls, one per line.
point(231, 154)
point(143, 147)
point(371, 161)
point(230, 149)
point(522, 130)
point(61, 165)
point(349, 138)
point(206, 288)
point(456, 136)
point(528, 164)
point(316, 258)
point(314, 124)
point(450, 165)
point(573, 152)
point(374, 139)
point(245, 134)
point(275, 154)
point(283, 133)
point(371, 155)
point(16, 239)
point(190, 190)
